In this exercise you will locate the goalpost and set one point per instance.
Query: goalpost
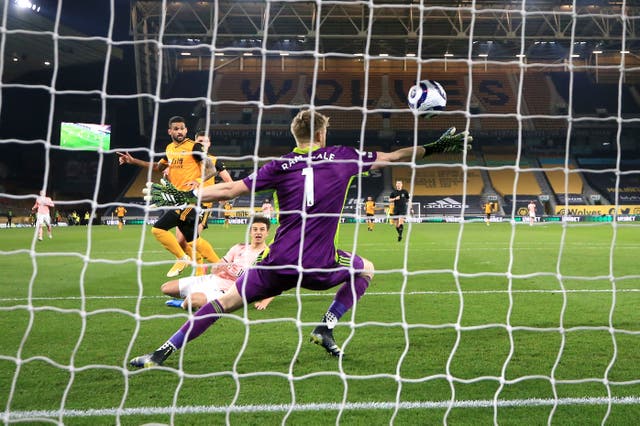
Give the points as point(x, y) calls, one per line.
point(463, 322)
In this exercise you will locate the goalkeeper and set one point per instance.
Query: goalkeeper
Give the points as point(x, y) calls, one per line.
point(313, 178)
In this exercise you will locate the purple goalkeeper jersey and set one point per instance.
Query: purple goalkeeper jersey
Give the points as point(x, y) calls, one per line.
point(315, 188)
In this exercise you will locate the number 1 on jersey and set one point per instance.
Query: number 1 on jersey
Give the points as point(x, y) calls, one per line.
point(308, 186)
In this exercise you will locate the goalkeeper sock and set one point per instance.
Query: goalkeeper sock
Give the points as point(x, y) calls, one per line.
point(194, 327)
point(343, 301)
point(168, 240)
point(204, 248)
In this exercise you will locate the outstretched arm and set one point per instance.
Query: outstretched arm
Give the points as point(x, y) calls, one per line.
point(126, 158)
point(450, 141)
point(222, 191)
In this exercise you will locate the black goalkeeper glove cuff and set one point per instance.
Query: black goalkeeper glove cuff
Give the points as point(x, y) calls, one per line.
point(450, 141)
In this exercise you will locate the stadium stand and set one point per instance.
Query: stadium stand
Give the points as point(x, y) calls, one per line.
point(539, 101)
point(591, 98)
point(134, 191)
point(496, 94)
point(439, 185)
point(569, 191)
point(601, 175)
point(503, 180)
point(493, 93)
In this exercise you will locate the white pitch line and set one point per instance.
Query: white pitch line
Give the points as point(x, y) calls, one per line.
point(428, 405)
point(320, 294)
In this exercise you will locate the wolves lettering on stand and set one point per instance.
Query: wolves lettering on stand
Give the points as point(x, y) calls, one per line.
point(454, 92)
point(269, 91)
point(625, 189)
point(490, 92)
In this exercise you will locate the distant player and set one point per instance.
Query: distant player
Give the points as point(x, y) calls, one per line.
point(370, 211)
point(43, 216)
point(532, 212)
point(488, 208)
point(227, 213)
point(199, 290)
point(400, 198)
point(267, 209)
point(74, 218)
point(120, 212)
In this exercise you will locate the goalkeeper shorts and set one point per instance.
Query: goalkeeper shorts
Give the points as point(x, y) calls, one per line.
point(258, 283)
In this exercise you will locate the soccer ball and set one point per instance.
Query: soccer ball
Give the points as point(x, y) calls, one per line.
point(427, 96)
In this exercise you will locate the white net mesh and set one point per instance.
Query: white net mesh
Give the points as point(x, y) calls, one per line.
point(463, 322)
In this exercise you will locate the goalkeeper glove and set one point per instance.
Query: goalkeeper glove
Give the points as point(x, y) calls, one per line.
point(450, 141)
point(165, 194)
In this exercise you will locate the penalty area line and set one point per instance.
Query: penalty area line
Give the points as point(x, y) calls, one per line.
point(532, 402)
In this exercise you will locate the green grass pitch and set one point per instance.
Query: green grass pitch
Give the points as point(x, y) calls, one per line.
point(459, 320)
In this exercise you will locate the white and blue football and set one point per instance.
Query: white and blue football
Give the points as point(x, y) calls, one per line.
point(427, 96)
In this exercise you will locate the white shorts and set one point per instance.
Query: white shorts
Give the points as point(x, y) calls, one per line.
point(43, 219)
point(532, 215)
point(211, 285)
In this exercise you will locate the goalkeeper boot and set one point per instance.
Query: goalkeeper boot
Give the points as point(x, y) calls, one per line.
point(155, 359)
point(323, 336)
point(143, 361)
point(179, 266)
point(174, 303)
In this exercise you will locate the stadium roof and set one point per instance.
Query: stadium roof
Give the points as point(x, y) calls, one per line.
point(390, 26)
point(33, 42)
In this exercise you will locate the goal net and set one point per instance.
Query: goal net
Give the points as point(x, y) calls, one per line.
point(473, 316)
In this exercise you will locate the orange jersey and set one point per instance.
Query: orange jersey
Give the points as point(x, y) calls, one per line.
point(370, 207)
point(183, 167)
point(120, 211)
point(227, 210)
point(488, 208)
